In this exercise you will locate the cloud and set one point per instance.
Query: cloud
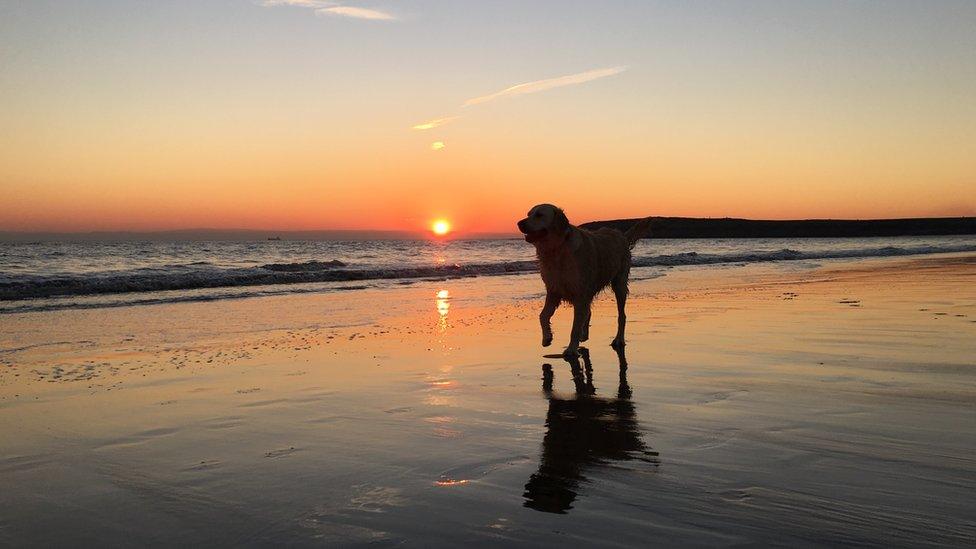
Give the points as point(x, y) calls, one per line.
point(528, 87)
point(548, 84)
point(297, 3)
point(356, 13)
point(323, 7)
point(430, 124)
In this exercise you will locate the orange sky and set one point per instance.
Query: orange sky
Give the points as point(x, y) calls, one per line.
point(274, 117)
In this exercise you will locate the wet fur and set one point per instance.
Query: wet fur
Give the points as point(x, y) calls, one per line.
point(577, 264)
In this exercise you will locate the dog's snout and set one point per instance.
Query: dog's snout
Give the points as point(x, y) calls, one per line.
point(521, 225)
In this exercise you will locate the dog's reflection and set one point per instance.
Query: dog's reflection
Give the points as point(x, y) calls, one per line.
point(583, 432)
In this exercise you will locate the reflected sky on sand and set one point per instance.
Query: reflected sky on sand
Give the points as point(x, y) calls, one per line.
point(783, 415)
point(585, 431)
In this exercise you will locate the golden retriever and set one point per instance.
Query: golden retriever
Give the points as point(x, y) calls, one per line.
point(577, 264)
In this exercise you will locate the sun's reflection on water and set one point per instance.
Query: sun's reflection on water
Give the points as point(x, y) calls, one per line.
point(443, 305)
point(451, 482)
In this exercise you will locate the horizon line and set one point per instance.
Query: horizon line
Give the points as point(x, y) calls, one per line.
point(13, 232)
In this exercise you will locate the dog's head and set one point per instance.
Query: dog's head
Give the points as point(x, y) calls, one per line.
point(544, 223)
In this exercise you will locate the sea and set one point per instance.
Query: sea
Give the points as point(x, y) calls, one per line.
point(45, 276)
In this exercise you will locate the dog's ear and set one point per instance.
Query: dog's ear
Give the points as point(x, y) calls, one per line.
point(559, 221)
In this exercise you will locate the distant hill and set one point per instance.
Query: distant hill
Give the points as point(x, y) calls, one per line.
point(691, 227)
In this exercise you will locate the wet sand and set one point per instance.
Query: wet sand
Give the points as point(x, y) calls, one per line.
point(792, 405)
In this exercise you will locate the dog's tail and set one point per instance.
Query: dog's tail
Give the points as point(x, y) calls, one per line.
point(638, 231)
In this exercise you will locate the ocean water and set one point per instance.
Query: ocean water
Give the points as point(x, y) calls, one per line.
point(51, 275)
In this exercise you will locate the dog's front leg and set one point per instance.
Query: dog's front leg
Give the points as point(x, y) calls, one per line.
point(552, 301)
point(620, 293)
point(581, 310)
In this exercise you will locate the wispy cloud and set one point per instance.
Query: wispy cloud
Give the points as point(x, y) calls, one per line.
point(437, 122)
point(322, 7)
point(528, 87)
point(547, 84)
point(357, 13)
point(297, 3)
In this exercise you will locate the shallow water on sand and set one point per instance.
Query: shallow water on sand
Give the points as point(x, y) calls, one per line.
point(756, 406)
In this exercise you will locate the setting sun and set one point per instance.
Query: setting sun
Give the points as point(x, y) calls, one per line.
point(441, 227)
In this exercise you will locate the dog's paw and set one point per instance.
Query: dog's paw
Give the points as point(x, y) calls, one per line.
point(617, 343)
point(546, 338)
point(571, 352)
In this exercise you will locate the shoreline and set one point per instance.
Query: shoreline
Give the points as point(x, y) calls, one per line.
point(151, 283)
point(486, 295)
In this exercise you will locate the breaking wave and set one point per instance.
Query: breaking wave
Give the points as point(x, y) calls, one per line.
point(787, 254)
point(202, 275)
point(191, 277)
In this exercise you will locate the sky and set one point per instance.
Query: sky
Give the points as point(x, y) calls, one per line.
point(388, 114)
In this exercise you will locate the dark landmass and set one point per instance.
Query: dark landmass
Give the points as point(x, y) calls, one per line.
point(690, 227)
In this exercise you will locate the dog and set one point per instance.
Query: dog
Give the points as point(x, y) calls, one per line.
point(577, 264)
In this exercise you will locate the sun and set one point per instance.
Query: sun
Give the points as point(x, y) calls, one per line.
point(441, 227)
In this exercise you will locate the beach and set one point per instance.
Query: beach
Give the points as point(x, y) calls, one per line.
point(280, 273)
point(780, 403)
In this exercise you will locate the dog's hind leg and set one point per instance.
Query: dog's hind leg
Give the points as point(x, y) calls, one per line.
point(620, 293)
point(552, 301)
point(585, 335)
